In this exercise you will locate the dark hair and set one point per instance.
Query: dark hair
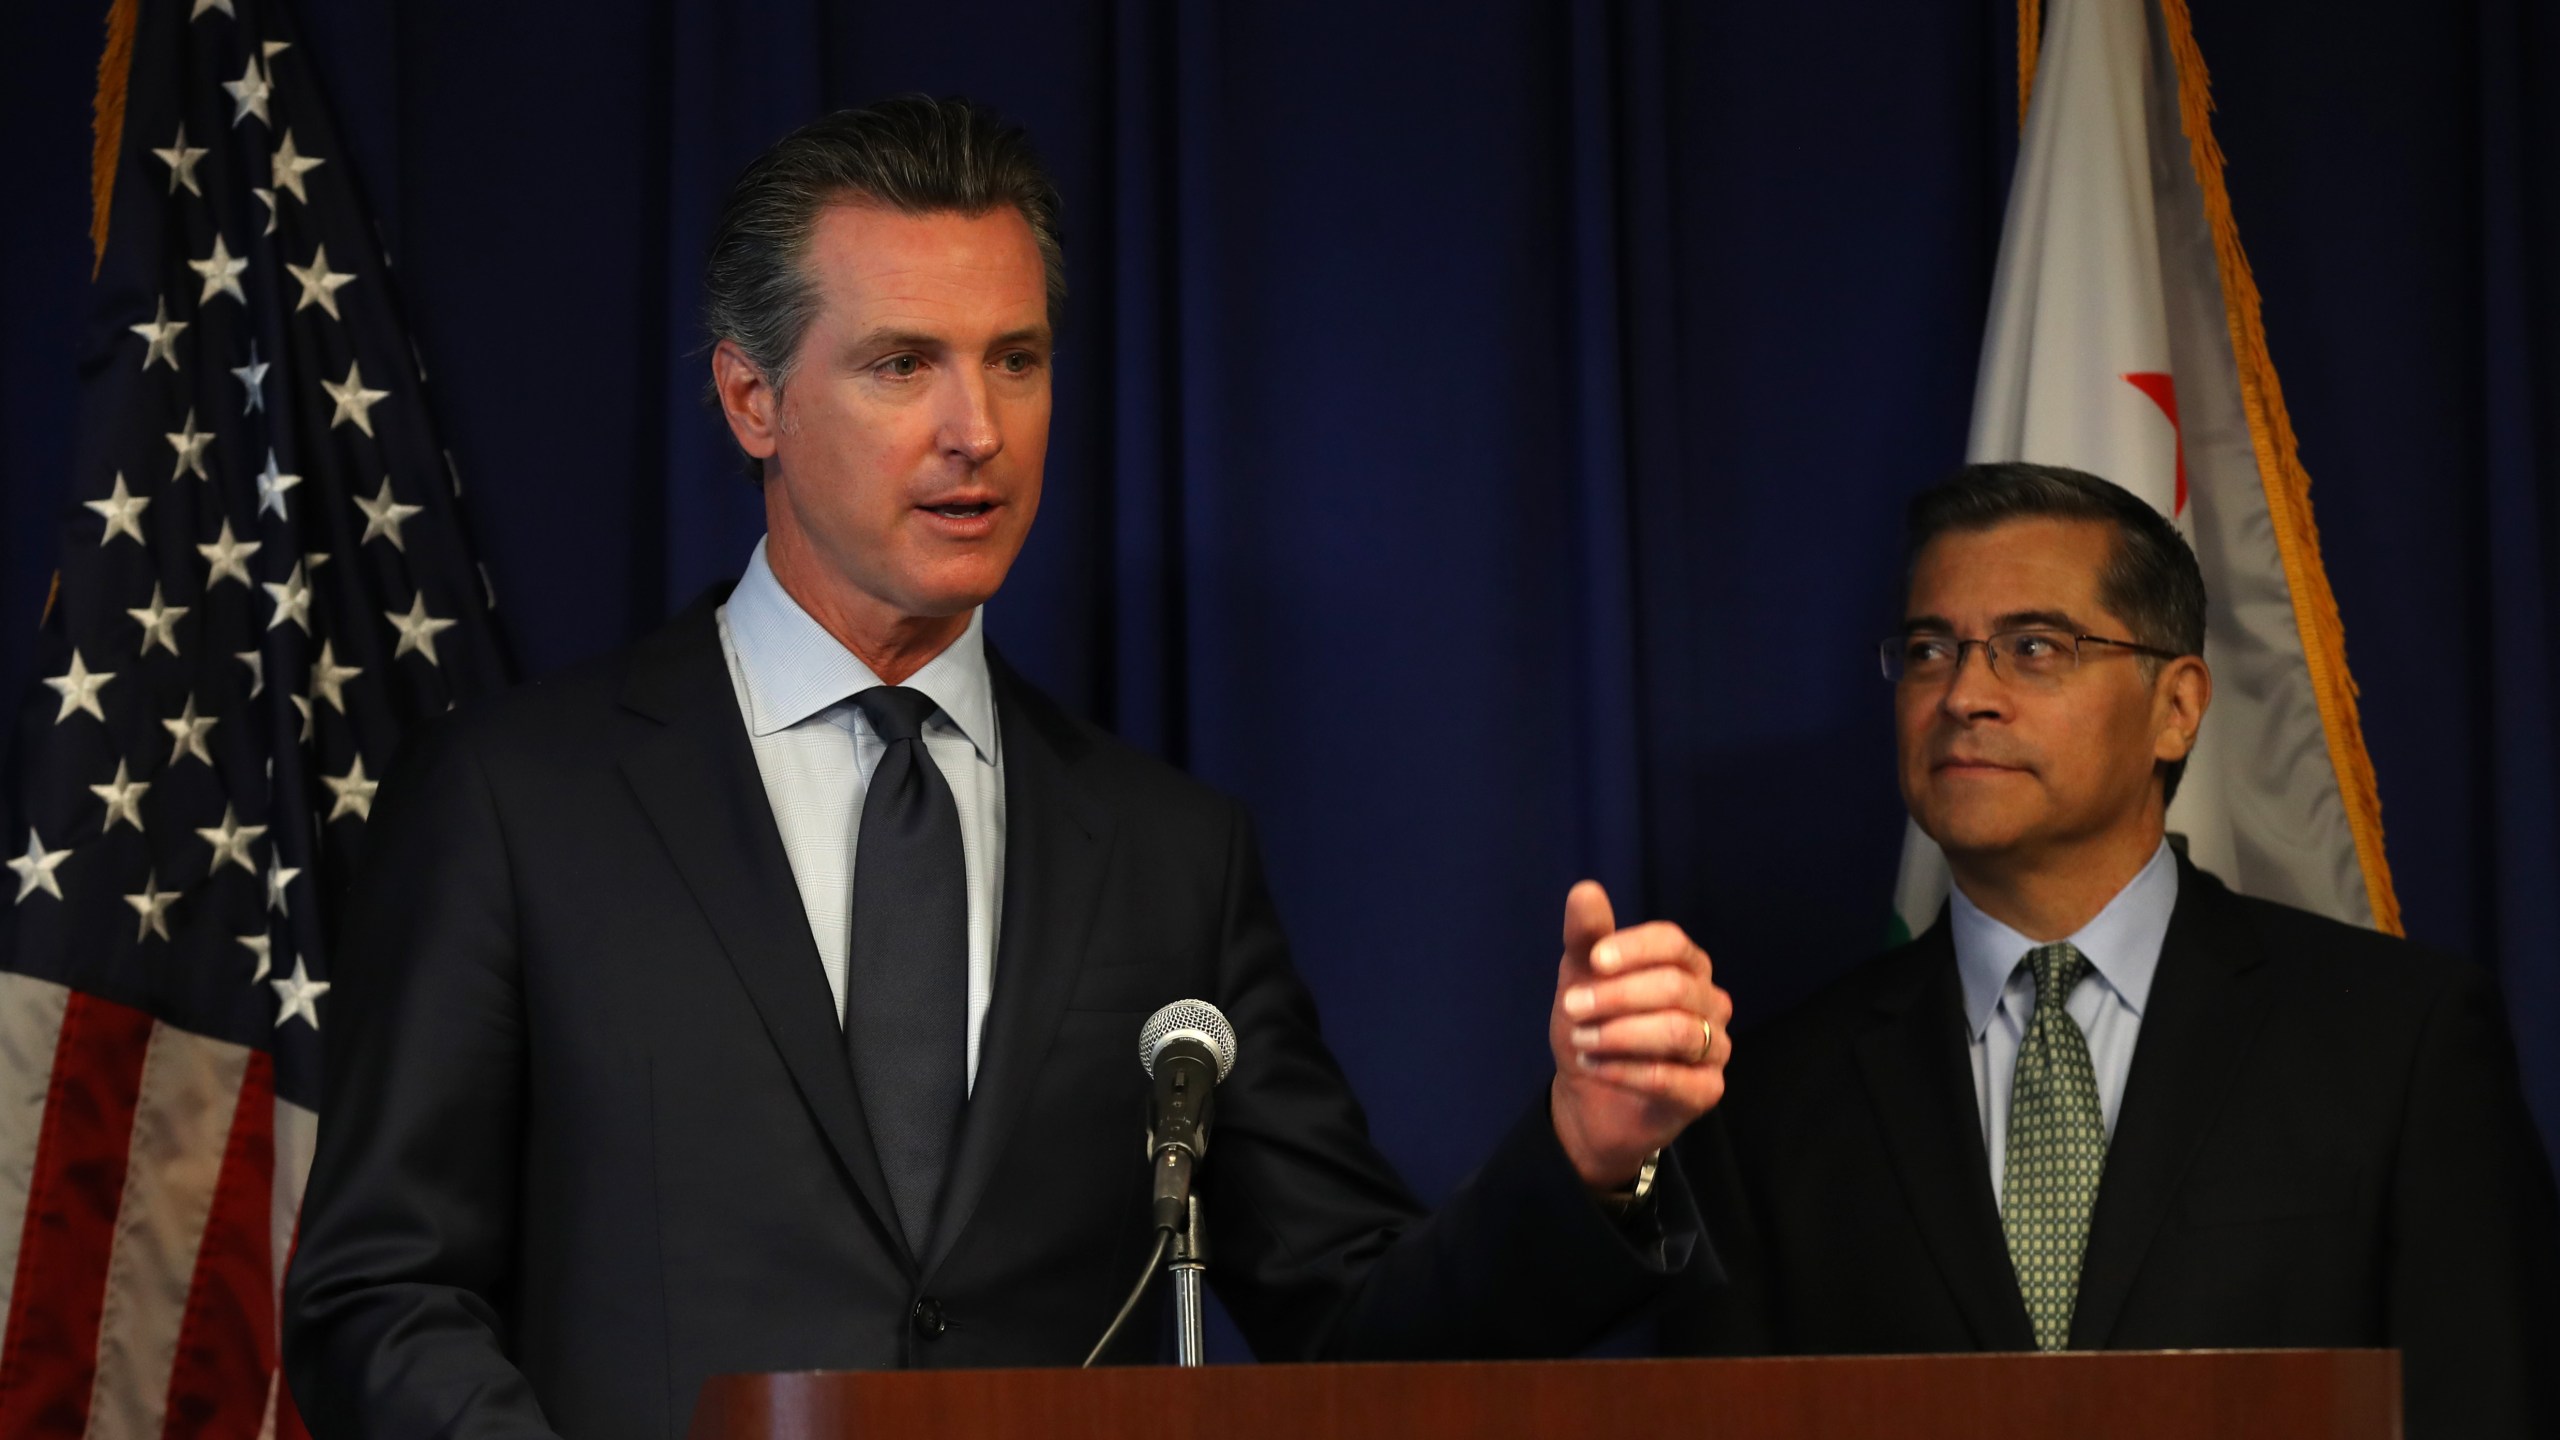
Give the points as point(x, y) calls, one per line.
point(915, 153)
point(2152, 581)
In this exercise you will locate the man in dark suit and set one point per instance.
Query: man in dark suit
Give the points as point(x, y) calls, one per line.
point(767, 996)
point(2319, 1138)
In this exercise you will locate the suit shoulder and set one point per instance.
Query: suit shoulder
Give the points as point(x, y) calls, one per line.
point(1846, 1004)
point(567, 703)
point(2351, 969)
point(1110, 765)
point(2393, 970)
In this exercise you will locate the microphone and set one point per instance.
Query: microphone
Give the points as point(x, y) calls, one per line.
point(1187, 1048)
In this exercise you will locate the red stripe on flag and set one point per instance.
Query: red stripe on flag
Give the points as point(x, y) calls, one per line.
point(50, 1360)
point(227, 1343)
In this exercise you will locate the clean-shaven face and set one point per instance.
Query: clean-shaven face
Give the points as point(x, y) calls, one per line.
point(915, 420)
point(1994, 766)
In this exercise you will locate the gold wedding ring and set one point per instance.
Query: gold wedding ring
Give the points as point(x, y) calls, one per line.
point(1706, 1039)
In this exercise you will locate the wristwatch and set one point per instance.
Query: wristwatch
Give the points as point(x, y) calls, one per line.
point(1622, 1203)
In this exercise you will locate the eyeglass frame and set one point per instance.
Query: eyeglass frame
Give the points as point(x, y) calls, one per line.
point(1888, 660)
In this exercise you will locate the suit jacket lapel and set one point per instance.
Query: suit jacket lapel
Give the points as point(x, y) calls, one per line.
point(1913, 1060)
point(697, 780)
point(2211, 995)
point(1056, 840)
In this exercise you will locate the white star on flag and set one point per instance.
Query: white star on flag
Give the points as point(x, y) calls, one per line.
point(251, 376)
point(354, 401)
point(418, 630)
point(295, 994)
point(320, 284)
point(181, 159)
point(187, 733)
point(303, 703)
point(229, 557)
point(271, 487)
point(35, 870)
point(123, 511)
point(124, 799)
point(221, 271)
point(153, 906)
point(190, 443)
point(354, 791)
point(204, 5)
point(162, 332)
point(279, 875)
point(267, 198)
point(328, 677)
point(159, 622)
point(383, 515)
point(249, 94)
point(231, 841)
point(262, 946)
point(79, 687)
point(290, 166)
point(257, 664)
point(293, 600)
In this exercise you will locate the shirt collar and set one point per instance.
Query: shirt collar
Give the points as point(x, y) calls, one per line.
point(795, 669)
point(2122, 942)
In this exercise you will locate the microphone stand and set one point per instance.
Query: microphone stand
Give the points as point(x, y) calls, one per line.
point(1190, 1260)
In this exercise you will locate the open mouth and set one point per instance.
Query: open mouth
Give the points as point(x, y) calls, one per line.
point(961, 512)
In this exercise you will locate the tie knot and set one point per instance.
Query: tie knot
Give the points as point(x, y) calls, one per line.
point(896, 712)
point(2058, 968)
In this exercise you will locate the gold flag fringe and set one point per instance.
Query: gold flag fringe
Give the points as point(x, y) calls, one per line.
point(115, 64)
point(2030, 36)
point(2288, 486)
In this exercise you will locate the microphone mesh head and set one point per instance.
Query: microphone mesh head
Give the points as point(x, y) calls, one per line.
point(1195, 1019)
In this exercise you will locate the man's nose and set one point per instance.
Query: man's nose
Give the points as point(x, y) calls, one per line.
point(1973, 691)
point(969, 428)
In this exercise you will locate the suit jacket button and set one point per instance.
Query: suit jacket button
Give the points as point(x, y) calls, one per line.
point(927, 1318)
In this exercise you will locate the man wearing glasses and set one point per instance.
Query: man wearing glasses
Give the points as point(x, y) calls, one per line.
point(2237, 1124)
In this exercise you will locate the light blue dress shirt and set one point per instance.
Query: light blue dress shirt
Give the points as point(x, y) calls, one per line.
point(2123, 947)
point(815, 751)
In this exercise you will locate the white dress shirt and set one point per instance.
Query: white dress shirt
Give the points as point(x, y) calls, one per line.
point(816, 751)
point(2123, 948)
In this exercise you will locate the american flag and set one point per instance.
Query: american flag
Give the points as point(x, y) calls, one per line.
point(265, 583)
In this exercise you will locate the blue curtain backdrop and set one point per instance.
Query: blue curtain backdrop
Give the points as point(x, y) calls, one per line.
point(1482, 427)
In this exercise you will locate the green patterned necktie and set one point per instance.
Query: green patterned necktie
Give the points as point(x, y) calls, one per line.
point(2057, 1147)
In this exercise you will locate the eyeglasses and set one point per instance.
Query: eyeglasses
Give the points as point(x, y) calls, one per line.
point(2040, 656)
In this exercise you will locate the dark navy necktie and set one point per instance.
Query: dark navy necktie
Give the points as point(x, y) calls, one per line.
point(907, 980)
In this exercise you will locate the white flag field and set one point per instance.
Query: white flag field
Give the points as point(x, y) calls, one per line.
point(2124, 339)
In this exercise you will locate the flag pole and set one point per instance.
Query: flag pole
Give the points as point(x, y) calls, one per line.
point(2288, 485)
point(2030, 36)
point(115, 64)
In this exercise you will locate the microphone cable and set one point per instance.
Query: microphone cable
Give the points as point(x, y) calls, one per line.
point(1129, 1307)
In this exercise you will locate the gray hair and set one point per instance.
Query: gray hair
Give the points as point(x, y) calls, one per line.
point(914, 153)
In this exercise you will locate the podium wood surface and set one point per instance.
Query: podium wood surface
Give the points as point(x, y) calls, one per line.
point(2260, 1395)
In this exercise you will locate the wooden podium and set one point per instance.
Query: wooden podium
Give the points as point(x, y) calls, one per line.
point(2240, 1394)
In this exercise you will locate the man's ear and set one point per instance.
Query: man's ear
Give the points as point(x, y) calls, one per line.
point(749, 401)
point(2179, 699)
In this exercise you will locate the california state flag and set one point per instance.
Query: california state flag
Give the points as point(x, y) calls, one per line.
point(2124, 339)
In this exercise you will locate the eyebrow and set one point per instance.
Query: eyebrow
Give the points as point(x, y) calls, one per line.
point(2035, 620)
point(895, 339)
point(2014, 620)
